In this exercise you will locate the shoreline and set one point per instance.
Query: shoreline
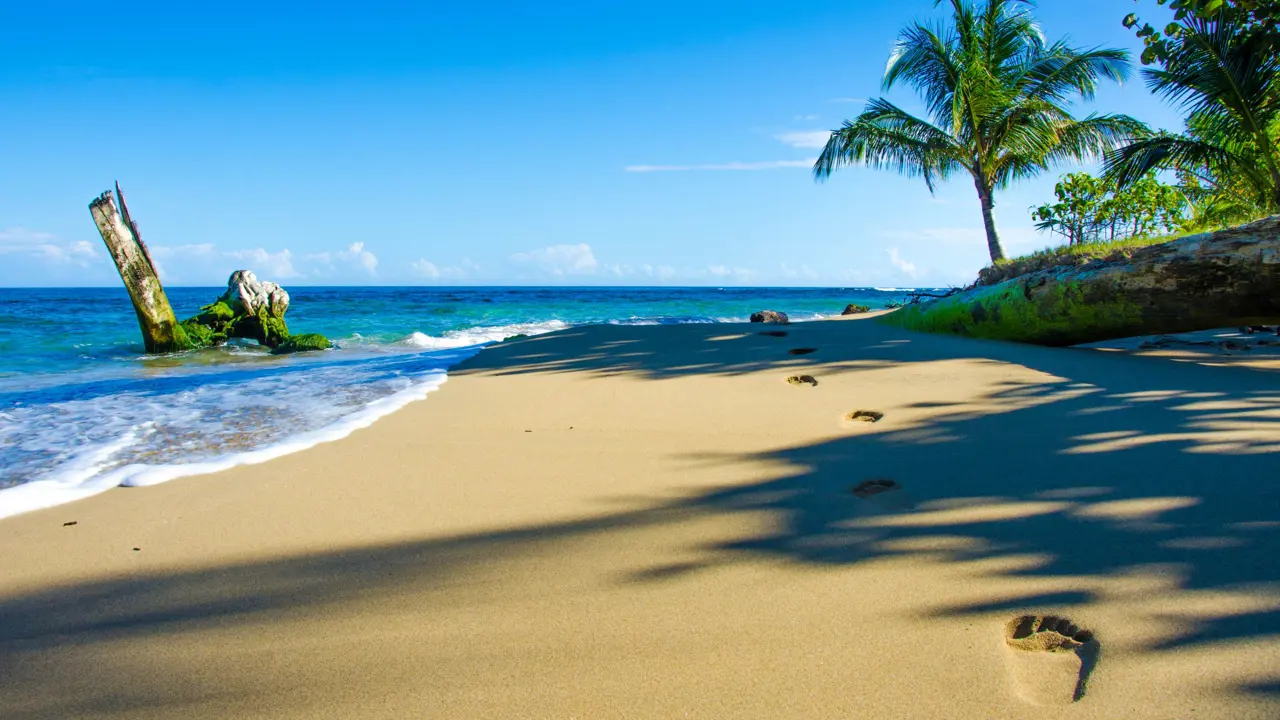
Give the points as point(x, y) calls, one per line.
point(650, 521)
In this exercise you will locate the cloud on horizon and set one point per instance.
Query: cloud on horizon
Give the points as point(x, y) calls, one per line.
point(906, 267)
point(48, 247)
point(560, 260)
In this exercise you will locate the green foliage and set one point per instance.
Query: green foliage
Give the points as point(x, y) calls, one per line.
point(1260, 18)
point(302, 343)
point(1089, 209)
point(998, 98)
point(1220, 62)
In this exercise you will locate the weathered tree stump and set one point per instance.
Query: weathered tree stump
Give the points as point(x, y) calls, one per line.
point(161, 332)
point(249, 308)
point(1228, 278)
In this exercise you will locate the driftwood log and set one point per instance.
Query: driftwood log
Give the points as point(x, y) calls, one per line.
point(249, 308)
point(161, 331)
point(1228, 278)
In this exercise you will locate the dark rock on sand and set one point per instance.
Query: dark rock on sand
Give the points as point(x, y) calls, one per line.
point(770, 316)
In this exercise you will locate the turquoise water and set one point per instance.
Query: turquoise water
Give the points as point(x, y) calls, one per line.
point(83, 409)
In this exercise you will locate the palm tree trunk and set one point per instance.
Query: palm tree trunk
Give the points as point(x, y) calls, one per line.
point(989, 220)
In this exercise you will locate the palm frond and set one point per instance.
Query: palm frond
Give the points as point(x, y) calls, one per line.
point(887, 137)
point(1129, 163)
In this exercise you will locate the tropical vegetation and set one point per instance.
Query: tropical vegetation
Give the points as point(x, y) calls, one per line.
point(998, 99)
point(1219, 61)
point(1092, 209)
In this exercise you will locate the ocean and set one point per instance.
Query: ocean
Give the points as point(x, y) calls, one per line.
point(83, 409)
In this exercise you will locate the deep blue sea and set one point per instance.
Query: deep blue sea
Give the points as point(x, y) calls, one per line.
point(82, 409)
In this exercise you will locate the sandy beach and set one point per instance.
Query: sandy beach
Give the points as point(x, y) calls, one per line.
point(652, 522)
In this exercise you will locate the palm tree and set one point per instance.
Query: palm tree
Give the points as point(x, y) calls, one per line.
point(998, 98)
point(1228, 78)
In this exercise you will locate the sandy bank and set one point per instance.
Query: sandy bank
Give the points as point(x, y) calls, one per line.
point(652, 522)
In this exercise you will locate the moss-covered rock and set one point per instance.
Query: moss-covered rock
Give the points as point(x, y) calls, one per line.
point(1226, 278)
point(249, 309)
point(302, 343)
point(215, 313)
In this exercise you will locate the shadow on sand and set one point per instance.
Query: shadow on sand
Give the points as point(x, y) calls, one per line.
point(1131, 457)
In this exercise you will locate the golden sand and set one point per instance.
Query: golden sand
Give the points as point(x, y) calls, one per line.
point(651, 522)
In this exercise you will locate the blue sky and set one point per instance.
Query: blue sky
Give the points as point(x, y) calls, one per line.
point(485, 143)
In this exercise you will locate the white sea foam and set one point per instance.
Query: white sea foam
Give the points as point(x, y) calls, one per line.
point(477, 335)
point(219, 421)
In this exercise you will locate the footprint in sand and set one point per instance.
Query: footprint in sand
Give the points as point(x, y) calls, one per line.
point(801, 351)
point(869, 416)
point(885, 493)
point(1050, 658)
point(775, 333)
point(803, 380)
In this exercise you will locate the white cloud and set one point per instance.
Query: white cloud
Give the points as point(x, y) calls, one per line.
point(269, 265)
point(765, 165)
point(906, 267)
point(560, 259)
point(806, 138)
point(806, 118)
point(425, 269)
point(356, 252)
point(48, 247)
point(430, 271)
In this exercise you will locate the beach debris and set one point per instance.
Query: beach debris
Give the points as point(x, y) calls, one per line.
point(69, 524)
point(249, 308)
point(852, 309)
point(869, 416)
point(803, 380)
point(161, 332)
point(1227, 278)
point(770, 316)
point(801, 351)
point(137, 549)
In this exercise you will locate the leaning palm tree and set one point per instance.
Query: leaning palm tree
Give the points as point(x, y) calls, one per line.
point(998, 98)
point(1228, 78)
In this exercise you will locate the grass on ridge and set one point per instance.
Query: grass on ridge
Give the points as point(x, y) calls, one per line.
point(1068, 256)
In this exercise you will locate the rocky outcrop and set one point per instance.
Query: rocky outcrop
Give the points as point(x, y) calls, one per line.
point(246, 295)
point(852, 309)
point(251, 309)
point(770, 316)
point(1228, 278)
